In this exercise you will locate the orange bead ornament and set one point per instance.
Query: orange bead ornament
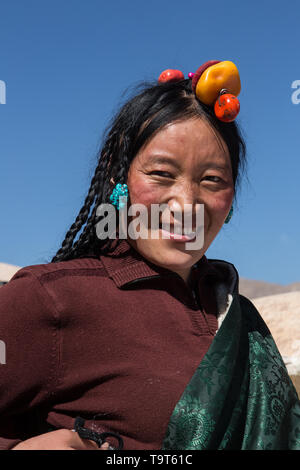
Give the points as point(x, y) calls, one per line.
point(227, 107)
point(170, 75)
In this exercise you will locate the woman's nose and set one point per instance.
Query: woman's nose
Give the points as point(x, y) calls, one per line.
point(176, 209)
point(186, 195)
point(184, 204)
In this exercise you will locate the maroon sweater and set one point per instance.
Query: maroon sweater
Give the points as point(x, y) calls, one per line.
point(116, 339)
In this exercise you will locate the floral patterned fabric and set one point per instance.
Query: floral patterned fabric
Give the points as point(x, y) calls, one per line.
point(240, 397)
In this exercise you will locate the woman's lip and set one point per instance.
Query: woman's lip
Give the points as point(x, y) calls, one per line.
point(178, 238)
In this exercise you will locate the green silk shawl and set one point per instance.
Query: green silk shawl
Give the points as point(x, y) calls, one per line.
point(241, 396)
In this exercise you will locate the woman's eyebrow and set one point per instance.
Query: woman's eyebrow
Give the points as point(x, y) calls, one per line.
point(217, 166)
point(164, 160)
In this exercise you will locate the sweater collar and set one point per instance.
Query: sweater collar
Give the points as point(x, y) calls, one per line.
point(124, 264)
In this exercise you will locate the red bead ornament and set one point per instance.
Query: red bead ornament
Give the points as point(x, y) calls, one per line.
point(170, 75)
point(227, 107)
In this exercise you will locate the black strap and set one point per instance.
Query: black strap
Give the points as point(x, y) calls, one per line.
point(86, 433)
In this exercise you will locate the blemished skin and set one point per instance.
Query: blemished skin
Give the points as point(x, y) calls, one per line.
point(198, 171)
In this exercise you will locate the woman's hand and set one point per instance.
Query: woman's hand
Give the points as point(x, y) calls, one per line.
point(62, 439)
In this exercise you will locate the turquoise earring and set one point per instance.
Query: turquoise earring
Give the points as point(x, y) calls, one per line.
point(229, 215)
point(119, 190)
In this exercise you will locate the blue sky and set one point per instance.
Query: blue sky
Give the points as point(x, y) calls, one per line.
point(66, 65)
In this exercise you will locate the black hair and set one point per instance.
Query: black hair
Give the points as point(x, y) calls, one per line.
point(136, 122)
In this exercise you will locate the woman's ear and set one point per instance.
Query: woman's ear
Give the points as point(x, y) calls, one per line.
point(112, 182)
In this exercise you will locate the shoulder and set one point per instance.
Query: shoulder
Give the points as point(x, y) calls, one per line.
point(252, 316)
point(228, 284)
point(48, 272)
point(227, 274)
point(44, 290)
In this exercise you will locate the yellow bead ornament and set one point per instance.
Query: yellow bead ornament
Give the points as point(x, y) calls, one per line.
point(223, 75)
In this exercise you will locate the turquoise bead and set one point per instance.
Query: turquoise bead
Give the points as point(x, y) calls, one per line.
point(229, 215)
point(119, 190)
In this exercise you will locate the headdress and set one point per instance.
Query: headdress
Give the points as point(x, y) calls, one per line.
point(215, 83)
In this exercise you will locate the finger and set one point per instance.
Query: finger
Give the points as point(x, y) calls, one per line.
point(79, 443)
point(104, 446)
point(87, 444)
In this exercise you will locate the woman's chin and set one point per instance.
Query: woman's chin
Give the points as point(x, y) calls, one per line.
point(168, 254)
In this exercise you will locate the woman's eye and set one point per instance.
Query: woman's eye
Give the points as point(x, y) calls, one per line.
point(164, 174)
point(214, 179)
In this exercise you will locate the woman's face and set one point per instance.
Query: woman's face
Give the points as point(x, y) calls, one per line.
point(184, 163)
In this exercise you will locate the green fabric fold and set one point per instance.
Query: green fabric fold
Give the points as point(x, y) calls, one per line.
point(241, 396)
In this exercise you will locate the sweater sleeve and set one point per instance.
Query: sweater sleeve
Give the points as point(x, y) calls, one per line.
point(29, 352)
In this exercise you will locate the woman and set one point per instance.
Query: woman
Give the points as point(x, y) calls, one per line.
point(145, 337)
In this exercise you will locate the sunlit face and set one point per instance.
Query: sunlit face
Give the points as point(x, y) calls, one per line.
point(184, 163)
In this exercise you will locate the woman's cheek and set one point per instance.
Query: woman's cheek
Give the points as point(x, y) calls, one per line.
point(218, 208)
point(142, 193)
point(222, 202)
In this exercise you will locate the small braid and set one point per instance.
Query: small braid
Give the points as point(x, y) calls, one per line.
point(67, 249)
point(98, 193)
